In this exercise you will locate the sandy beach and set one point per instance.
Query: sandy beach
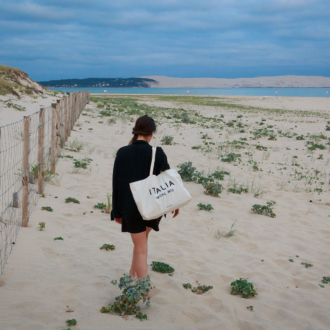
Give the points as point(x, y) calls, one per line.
point(47, 281)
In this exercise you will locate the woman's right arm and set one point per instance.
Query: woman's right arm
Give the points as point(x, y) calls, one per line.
point(115, 186)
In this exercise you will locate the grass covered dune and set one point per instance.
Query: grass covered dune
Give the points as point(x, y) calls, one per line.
point(258, 171)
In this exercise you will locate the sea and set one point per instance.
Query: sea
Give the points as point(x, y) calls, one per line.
point(268, 92)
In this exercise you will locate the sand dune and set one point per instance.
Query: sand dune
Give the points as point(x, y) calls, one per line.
point(45, 278)
point(278, 81)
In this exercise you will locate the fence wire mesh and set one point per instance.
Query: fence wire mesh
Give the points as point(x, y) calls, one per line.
point(11, 160)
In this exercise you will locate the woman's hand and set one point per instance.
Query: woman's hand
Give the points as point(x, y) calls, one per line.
point(176, 212)
point(118, 220)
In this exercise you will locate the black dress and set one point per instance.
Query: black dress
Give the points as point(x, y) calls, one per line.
point(132, 164)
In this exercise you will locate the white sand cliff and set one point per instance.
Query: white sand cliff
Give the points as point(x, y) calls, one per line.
point(279, 81)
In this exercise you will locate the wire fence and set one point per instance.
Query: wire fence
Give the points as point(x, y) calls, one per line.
point(28, 152)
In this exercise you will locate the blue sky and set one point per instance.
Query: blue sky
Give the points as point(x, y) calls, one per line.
point(129, 38)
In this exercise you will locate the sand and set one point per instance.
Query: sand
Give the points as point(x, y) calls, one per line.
point(261, 82)
point(44, 279)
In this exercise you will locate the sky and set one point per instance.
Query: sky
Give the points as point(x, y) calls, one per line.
point(60, 39)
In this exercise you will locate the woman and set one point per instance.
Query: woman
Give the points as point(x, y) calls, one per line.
point(132, 164)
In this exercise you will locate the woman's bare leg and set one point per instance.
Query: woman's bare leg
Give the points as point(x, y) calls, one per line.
point(133, 271)
point(140, 252)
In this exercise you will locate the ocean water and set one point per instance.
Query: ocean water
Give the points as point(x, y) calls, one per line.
point(296, 92)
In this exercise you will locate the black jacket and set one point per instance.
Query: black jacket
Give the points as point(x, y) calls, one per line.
point(132, 164)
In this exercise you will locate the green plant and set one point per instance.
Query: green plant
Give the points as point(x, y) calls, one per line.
point(307, 265)
point(212, 189)
point(200, 178)
point(250, 308)
point(58, 239)
point(108, 205)
point(231, 157)
point(100, 206)
point(127, 302)
point(71, 322)
point(326, 279)
point(291, 260)
point(71, 200)
point(47, 208)
point(207, 207)
point(220, 175)
point(200, 289)
point(161, 267)
point(167, 140)
point(219, 234)
point(42, 226)
point(75, 145)
point(107, 247)
point(264, 209)
point(243, 287)
point(186, 171)
point(34, 169)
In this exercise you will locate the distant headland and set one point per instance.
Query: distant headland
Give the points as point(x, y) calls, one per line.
point(170, 82)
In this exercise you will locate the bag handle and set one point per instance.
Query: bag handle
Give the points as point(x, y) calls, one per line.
point(152, 160)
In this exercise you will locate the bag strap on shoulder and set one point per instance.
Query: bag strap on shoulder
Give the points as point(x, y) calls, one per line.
point(152, 160)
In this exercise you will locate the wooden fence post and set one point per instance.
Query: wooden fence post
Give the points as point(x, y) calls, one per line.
point(53, 139)
point(72, 110)
point(25, 171)
point(66, 118)
point(41, 146)
point(15, 200)
point(69, 114)
point(58, 123)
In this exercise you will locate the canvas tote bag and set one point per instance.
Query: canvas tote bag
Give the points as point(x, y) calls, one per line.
point(159, 194)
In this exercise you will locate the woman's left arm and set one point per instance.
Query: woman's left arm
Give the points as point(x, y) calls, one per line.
point(161, 161)
point(115, 212)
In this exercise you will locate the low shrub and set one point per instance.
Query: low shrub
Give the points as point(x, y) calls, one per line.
point(205, 207)
point(264, 209)
point(186, 171)
point(47, 208)
point(71, 200)
point(132, 293)
point(243, 287)
point(161, 267)
point(212, 189)
point(231, 157)
point(107, 247)
point(200, 289)
point(167, 140)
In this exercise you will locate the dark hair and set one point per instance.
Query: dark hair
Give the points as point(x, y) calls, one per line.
point(144, 125)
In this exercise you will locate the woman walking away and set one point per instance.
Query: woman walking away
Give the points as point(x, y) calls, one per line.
point(132, 164)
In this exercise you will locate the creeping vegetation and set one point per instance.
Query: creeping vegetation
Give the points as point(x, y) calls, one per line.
point(326, 279)
point(186, 171)
point(71, 322)
point(42, 226)
point(71, 200)
point(200, 289)
point(107, 247)
point(264, 209)
point(205, 207)
point(307, 265)
point(212, 189)
point(100, 206)
point(243, 287)
point(231, 157)
point(167, 140)
point(47, 208)
point(58, 239)
point(82, 163)
point(161, 267)
point(133, 292)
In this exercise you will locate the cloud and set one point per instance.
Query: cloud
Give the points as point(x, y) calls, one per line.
point(218, 38)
